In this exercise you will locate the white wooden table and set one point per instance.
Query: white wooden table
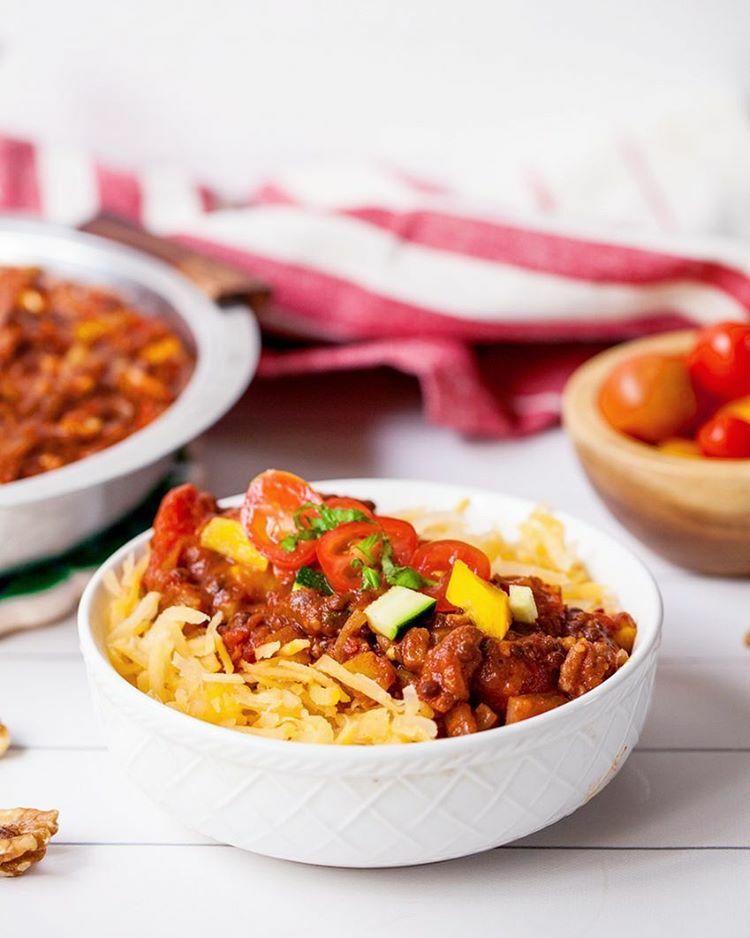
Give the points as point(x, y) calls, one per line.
point(664, 850)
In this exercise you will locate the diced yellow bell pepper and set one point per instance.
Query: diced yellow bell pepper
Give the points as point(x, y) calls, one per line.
point(677, 446)
point(162, 351)
point(739, 408)
point(487, 606)
point(227, 536)
point(625, 637)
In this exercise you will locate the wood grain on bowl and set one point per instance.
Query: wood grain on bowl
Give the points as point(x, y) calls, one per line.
point(694, 512)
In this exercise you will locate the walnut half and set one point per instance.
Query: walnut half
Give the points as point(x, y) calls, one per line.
point(24, 835)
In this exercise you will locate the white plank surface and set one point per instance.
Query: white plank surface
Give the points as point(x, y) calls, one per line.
point(129, 891)
point(674, 823)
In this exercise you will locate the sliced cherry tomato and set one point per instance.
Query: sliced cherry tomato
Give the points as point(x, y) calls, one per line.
point(402, 536)
point(649, 397)
point(720, 361)
point(341, 501)
point(725, 437)
point(435, 559)
point(339, 557)
point(268, 515)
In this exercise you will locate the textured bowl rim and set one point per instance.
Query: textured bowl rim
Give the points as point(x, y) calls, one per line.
point(227, 345)
point(240, 747)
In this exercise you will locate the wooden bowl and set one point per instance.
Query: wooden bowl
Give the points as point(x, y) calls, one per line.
point(694, 512)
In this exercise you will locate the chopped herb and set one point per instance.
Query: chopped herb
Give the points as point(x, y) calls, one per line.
point(313, 520)
point(366, 547)
point(313, 579)
point(401, 576)
point(370, 578)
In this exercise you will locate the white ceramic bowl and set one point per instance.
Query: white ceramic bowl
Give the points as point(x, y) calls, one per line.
point(46, 514)
point(387, 805)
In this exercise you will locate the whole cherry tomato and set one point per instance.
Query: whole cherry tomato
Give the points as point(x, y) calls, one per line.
point(725, 437)
point(272, 501)
point(720, 361)
point(649, 397)
point(435, 559)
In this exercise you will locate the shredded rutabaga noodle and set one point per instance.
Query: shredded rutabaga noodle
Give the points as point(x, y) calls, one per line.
point(178, 657)
point(540, 550)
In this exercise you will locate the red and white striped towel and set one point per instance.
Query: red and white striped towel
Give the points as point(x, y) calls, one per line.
point(490, 310)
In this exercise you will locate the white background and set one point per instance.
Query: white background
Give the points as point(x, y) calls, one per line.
point(223, 87)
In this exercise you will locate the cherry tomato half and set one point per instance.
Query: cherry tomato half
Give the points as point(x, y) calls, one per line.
point(402, 536)
point(341, 501)
point(337, 549)
point(720, 361)
point(435, 559)
point(268, 511)
point(338, 552)
point(649, 397)
point(725, 437)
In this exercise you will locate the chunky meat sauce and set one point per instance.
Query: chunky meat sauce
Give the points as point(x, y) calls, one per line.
point(79, 371)
point(472, 681)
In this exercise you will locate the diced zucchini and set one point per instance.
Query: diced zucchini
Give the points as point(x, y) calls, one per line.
point(307, 578)
point(523, 604)
point(487, 606)
point(394, 611)
point(227, 537)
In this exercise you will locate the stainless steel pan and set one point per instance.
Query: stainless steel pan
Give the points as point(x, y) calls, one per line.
point(49, 513)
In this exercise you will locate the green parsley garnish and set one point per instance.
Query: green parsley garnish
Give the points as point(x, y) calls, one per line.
point(401, 576)
point(313, 520)
point(314, 580)
point(366, 546)
point(370, 578)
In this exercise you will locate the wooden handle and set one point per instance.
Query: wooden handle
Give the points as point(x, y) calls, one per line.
point(222, 282)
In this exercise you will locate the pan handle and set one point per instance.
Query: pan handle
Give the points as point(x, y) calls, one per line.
point(224, 283)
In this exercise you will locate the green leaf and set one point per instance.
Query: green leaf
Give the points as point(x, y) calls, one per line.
point(313, 579)
point(401, 576)
point(370, 578)
point(312, 521)
point(366, 546)
point(408, 577)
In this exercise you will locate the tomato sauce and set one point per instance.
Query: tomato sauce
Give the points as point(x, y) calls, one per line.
point(471, 680)
point(80, 370)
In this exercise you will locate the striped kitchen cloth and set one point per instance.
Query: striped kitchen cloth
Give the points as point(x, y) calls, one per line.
point(489, 307)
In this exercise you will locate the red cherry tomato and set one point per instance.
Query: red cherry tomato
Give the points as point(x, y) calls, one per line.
point(725, 437)
point(337, 549)
point(402, 536)
point(649, 397)
point(268, 513)
point(181, 512)
point(720, 361)
point(435, 559)
point(341, 501)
